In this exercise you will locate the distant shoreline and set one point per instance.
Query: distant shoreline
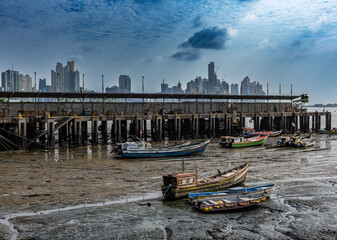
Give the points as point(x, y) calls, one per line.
point(322, 105)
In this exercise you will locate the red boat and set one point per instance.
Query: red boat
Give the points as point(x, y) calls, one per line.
point(250, 132)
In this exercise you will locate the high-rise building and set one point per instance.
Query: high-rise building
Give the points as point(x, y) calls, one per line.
point(10, 81)
point(42, 85)
point(164, 88)
point(25, 83)
point(211, 78)
point(234, 89)
point(125, 83)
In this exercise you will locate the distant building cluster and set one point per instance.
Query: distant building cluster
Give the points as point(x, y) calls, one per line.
point(13, 81)
point(124, 85)
point(65, 79)
point(213, 85)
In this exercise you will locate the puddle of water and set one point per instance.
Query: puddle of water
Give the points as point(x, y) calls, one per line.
point(15, 233)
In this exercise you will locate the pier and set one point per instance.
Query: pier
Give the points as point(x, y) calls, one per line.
point(76, 119)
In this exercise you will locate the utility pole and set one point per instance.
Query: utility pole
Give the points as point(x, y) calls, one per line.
point(280, 96)
point(35, 81)
point(35, 87)
point(102, 83)
point(83, 83)
point(142, 84)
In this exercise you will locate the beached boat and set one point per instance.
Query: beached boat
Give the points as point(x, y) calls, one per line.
point(250, 132)
point(237, 142)
point(297, 140)
point(263, 189)
point(178, 185)
point(301, 143)
point(143, 149)
point(228, 203)
point(332, 131)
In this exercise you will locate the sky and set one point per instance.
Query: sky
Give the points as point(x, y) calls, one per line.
point(271, 41)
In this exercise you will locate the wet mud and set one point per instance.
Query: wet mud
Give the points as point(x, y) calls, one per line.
point(104, 195)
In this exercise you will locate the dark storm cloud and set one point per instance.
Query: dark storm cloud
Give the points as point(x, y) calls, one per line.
point(186, 55)
point(208, 38)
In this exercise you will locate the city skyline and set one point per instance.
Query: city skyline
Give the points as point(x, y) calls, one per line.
point(288, 42)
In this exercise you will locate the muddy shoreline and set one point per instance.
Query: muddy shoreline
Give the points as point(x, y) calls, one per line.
point(302, 206)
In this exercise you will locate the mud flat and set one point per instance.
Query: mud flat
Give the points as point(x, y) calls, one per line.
point(86, 193)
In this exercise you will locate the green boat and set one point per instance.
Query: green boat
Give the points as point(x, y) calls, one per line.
point(332, 131)
point(237, 142)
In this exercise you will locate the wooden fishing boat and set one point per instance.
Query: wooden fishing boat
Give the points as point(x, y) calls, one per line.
point(332, 131)
point(237, 142)
point(301, 143)
point(227, 203)
point(178, 185)
point(142, 149)
point(263, 189)
point(296, 140)
point(250, 132)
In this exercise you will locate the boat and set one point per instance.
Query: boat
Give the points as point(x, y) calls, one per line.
point(250, 132)
point(332, 131)
point(263, 189)
point(228, 203)
point(301, 143)
point(237, 142)
point(178, 185)
point(297, 140)
point(141, 149)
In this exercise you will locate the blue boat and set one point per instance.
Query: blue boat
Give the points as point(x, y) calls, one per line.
point(144, 150)
point(266, 190)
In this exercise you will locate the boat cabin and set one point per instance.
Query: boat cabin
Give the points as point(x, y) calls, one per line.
point(180, 179)
point(136, 146)
point(232, 139)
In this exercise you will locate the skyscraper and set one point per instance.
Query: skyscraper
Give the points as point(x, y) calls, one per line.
point(42, 85)
point(235, 89)
point(125, 83)
point(211, 78)
point(10, 81)
point(25, 83)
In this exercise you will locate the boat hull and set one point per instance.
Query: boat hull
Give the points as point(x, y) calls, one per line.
point(243, 144)
point(166, 153)
point(223, 204)
point(264, 189)
point(182, 192)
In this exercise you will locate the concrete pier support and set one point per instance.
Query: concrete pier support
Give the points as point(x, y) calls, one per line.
point(318, 122)
point(217, 127)
point(77, 132)
point(328, 121)
point(160, 135)
point(51, 134)
point(23, 133)
point(104, 131)
point(94, 130)
point(145, 130)
point(70, 133)
point(84, 126)
point(42, 127)
point(195, 122)
point(124, 129)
